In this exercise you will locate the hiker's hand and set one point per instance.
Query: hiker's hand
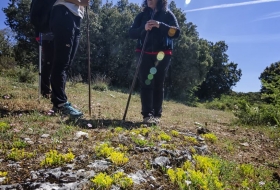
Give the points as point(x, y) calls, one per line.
point(153, 23)
point(148, 26)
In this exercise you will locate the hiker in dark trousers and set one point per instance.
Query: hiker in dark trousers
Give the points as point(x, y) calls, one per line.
point(162, 28)
point(47, 59)
point(65, 22)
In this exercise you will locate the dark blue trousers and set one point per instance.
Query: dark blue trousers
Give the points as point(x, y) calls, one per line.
point(65, 27)
point(152, 84)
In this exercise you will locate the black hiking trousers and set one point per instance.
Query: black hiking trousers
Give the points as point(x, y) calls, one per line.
point(65, 27)
point(47, 60)
point(152, 84)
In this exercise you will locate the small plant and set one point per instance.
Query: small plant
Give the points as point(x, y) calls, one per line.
point(19, 144)
point(4, 127)
point(53, 158)
point(102, 181)
point(187, 165)
point(103, 150)
point(190, 139)
point(207, 164)
point(178, 177)
point(140, 142)
point(122, 181)
point(100, 82)
point(210, 137)
point(3, 174)
point(192, 150)
point(4, 177)
point(245, 184)
point(118, 129)
point(147, 164)
point(18, 154)
point(174, 133)
point(198, 179)
point(123, 148)
point(247, 170)
point(169, 146)
point(164, 136)
point(144, 131)
point(229, 146)
point(118, 158)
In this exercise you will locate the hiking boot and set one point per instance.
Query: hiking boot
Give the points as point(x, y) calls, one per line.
point(149, 120)
point(157, 119)
point(67, 109)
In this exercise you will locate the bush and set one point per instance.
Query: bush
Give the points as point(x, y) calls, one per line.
point(26, 74)
point(101, 82)
point(225, 103)
point(264, 114)
point(7, 62)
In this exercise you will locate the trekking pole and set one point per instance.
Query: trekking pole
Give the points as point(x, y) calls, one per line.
point(137, 70)
point(40, 64)
point(89, 70)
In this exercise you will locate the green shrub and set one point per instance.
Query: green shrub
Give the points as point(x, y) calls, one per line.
point(7, 62)
point(264, 114)
point(26, 74)
point(100, 82)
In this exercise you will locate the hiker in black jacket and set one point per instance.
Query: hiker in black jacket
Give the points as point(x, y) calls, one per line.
point(162, 28)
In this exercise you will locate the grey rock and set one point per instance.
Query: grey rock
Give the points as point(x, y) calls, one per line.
point(80, 134)
point(145, 149)
point(30, 142)
point(82, 157)
point(202, 150)
point(161, 161)
point(45, 136)
point(100, 164)
point(138, 177)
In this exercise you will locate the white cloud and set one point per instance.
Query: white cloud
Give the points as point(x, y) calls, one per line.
point(264, 38)
point(231, 5)
point(269, 16)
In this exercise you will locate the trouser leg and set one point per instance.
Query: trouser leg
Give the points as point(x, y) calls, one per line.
point(47, 60)
point(159, 77)
point(146, 85)
point(66, 30)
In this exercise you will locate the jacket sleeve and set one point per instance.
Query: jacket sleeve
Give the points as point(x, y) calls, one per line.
point(137, 29)
point(170, 29)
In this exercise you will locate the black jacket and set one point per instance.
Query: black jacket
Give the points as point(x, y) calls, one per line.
point(159, 39)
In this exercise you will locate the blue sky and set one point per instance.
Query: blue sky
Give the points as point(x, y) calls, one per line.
point(250, 28)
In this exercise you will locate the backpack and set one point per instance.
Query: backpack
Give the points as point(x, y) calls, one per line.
point(40, 11)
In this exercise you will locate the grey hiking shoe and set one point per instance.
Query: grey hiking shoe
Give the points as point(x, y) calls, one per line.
point(67, 109)
point(157, 119)
point(149, 120)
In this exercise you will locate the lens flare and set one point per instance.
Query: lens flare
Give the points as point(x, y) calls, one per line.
point(150, 76)
point(153, 70)
point(156, 63)
point(172, 31)
point(160, 55)
point(147, 82)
